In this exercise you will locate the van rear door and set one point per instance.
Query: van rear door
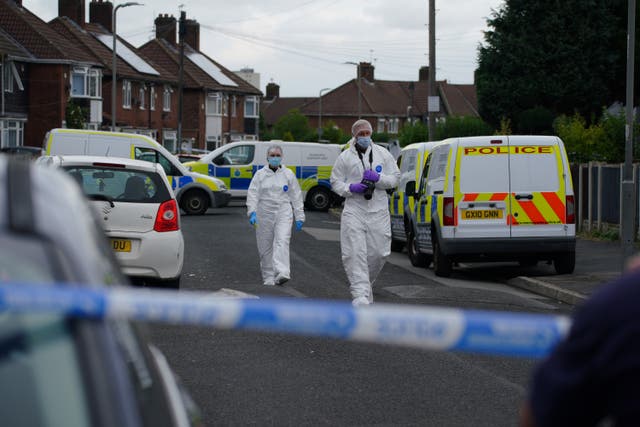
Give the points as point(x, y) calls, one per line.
point(481, 188)
point(538, 189)
point(67, 143)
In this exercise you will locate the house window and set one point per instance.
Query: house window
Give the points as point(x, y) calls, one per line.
point(169, 139)
point(7, 77)
point(380, 126)
point(152, 98)
point(126, 94)
point(225, 105)
point(86, 82)
point(251, 106)
point(214, 104)
point(142, 95)
point(233, 106)
point(11, 133)
point(166, 98)
point(393, 125)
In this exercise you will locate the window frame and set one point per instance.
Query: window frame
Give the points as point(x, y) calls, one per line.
point(251, 100)
point(126, 94)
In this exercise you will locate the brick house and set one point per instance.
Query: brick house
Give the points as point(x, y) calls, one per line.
point(145, 92)
point(387, 104)
point(45, 72)
point(219, 106)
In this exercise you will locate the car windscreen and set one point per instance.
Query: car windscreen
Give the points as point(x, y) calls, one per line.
point(119, 184)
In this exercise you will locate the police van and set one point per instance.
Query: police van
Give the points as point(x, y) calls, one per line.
point(236, 163)
point(410, 162)
point(195, 192)
point(495, 198)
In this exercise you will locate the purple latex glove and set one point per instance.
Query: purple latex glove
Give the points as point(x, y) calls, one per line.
point(371, 175)
point(357, 187)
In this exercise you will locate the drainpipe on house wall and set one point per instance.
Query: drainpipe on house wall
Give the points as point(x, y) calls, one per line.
point(3, 62)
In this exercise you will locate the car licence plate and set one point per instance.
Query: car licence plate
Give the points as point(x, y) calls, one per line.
point(121, 245)
point(481, 214)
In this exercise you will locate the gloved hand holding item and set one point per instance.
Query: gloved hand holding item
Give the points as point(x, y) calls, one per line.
point(299, 225)
point(252, 219)
point(371, 175)
point(357, 187)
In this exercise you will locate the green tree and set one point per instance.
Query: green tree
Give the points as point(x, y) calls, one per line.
point(332, 133)
point(564, 56)
point(75, 116)
point(461, 126)
point(413, 132)
point(295, 124)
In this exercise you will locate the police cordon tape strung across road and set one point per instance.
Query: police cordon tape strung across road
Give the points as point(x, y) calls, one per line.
point(425, 327)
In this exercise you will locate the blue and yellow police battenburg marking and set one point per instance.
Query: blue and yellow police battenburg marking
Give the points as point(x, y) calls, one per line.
point(432, 328)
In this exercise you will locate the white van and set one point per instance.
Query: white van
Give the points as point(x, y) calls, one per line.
point(410, 163)
point(195, 192)
point(495, 198)
point(236, 163)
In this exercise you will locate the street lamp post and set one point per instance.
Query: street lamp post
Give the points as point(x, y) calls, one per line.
point(114, 80)
point(359, 90)
point(320, 112)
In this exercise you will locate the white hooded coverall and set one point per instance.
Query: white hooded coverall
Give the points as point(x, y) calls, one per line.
point(365, 227)
point(271, 196)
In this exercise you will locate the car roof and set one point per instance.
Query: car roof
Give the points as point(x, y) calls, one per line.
point(77, 160)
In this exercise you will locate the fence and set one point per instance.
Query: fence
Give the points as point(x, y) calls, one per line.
point(598, 193)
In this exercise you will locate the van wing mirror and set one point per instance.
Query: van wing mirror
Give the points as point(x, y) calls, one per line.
point(410, 188)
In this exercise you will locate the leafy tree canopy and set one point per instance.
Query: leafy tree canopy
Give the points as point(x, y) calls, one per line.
point(564, 56)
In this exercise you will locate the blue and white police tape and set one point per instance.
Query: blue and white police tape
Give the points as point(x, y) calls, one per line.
point(426, 327)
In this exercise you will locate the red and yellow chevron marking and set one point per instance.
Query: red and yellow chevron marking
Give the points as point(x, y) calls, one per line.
point(544, 208)
point(484, 197)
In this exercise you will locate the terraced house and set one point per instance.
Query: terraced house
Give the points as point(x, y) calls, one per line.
point(59, 74)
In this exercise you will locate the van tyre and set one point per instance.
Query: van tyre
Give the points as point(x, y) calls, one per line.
point(565, 263)
point(319, 199)
point(417, 258)
point(441, 263)
point(396, 246)
point(195, 202)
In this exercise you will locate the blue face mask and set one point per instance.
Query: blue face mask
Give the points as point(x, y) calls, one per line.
point(363, 141)
point(274, 161)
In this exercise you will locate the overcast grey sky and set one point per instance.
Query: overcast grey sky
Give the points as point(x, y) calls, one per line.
point(302, 44)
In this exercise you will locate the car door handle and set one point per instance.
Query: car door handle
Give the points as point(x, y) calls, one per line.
point(524, 196)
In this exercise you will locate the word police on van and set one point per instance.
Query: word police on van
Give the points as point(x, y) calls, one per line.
point(195, 192)
point(236, 163)
point(492, 198)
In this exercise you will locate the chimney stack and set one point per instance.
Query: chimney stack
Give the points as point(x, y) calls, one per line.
point(166, 28)
point(192, 33)
point(423, 74)
point(366, 71)
point(73, 9)
point(101, 12)
point(273, 91)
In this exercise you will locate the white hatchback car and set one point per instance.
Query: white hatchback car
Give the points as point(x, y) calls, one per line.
point(138, 212)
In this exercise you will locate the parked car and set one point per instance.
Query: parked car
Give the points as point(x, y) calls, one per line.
point(137, 210)
point(60, 371)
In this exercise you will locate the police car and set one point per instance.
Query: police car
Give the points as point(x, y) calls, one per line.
point(137, 210)
point(72, 371)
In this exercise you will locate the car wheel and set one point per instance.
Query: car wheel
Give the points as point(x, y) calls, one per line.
point(441, 263)
point(194, 203)
point(396, 245)
point(565, 263)
point(319, 199)
point(417, 258)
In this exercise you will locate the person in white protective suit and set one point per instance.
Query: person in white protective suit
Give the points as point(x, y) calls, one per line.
point(273, 192)
point(365, 228)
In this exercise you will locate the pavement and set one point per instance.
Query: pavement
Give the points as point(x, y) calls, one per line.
point(598, 262)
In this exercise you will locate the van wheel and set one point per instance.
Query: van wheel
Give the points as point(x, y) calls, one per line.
point(194, 203)
point(565, 263)
point(319, 199)
point(417, 258)
point(396, 246)
point(441, 263)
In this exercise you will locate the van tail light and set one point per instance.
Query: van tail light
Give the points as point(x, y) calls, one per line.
point(571, 210)
point(167, 217)
point(447, 211)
